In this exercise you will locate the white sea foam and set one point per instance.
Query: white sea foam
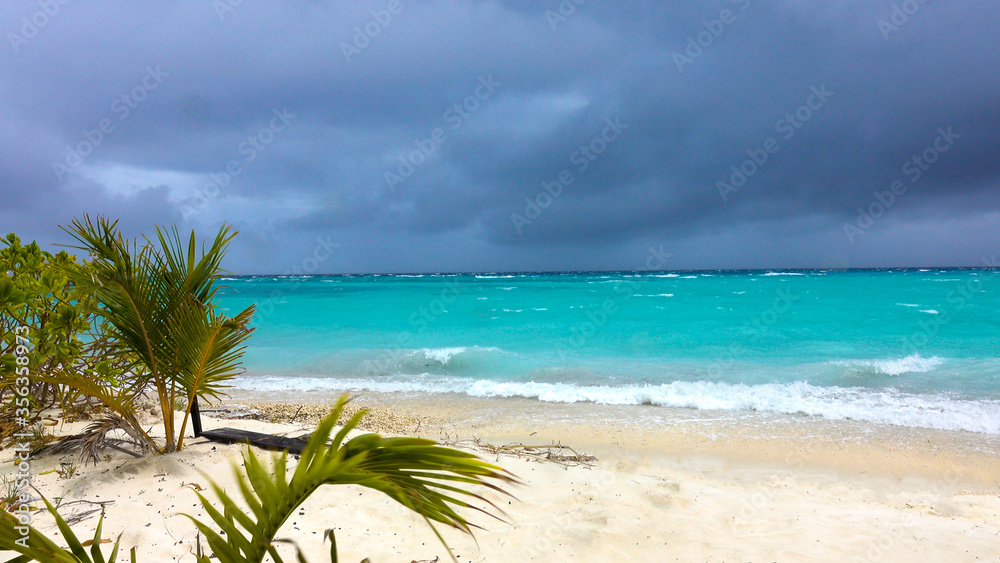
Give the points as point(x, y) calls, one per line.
point(664, 275)
point(689, 277)
point(913, 363)
point(739, 292)
point(886, 406)
point(444, 355)
point(929, 311)
point(494, 277)
point(507, 288)
point(654, 295)
point(908, 304)
point(783, 274)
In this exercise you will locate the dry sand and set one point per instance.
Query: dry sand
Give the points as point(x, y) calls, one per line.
point(697, 489)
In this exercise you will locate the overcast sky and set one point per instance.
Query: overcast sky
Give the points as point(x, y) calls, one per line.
point(421, 135)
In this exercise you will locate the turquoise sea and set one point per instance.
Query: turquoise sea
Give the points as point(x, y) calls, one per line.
point(913, 347)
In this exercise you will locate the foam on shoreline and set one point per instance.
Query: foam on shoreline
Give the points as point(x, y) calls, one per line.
point(888, 406)
point(852, 446)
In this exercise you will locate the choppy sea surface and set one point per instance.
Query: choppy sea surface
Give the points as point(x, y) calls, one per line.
point(914, 347)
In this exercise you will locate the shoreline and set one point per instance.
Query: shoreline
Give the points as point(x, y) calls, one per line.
point(703, 487)
point(964, 459)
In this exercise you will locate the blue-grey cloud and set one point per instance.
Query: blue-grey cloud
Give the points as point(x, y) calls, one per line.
point(433, 136)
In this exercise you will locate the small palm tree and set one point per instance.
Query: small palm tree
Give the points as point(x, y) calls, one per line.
point(158, 302)
point(429, 479)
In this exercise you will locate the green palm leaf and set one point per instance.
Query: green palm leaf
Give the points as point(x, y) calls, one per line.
point(210, 353)
point(427, 478)
point(419, 474)
point(158, 300)
point(37, 547)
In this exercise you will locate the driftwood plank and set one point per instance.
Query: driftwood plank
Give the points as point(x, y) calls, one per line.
point(265, 441)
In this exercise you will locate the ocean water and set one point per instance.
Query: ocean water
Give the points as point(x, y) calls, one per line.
point(915, 347)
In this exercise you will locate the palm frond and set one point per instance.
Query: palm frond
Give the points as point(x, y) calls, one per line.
point(127, 282)
point(120, 405)
point(158, 297)
point(103, 433)
point(190, 274)
point(427, 478)
point(423, 476)
point(37, 547)
point(211, 353)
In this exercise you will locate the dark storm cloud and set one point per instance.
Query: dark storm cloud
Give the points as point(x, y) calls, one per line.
point(423, 137)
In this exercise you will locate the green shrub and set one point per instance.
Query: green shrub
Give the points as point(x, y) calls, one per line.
point(427, 478)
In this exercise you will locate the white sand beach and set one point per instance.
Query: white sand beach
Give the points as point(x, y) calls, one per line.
point(669, 494)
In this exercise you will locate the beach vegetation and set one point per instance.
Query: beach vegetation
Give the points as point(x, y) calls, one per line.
point(156, 298)
point(8, 492)
point(136, 318)
point(47, 321)
point(432, 480)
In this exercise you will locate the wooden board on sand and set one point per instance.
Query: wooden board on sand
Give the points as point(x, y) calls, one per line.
point(265, 441)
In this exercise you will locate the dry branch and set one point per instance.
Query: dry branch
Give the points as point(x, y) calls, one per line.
point(561, 455)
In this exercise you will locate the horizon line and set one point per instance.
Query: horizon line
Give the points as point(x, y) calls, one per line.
point(681, 270)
